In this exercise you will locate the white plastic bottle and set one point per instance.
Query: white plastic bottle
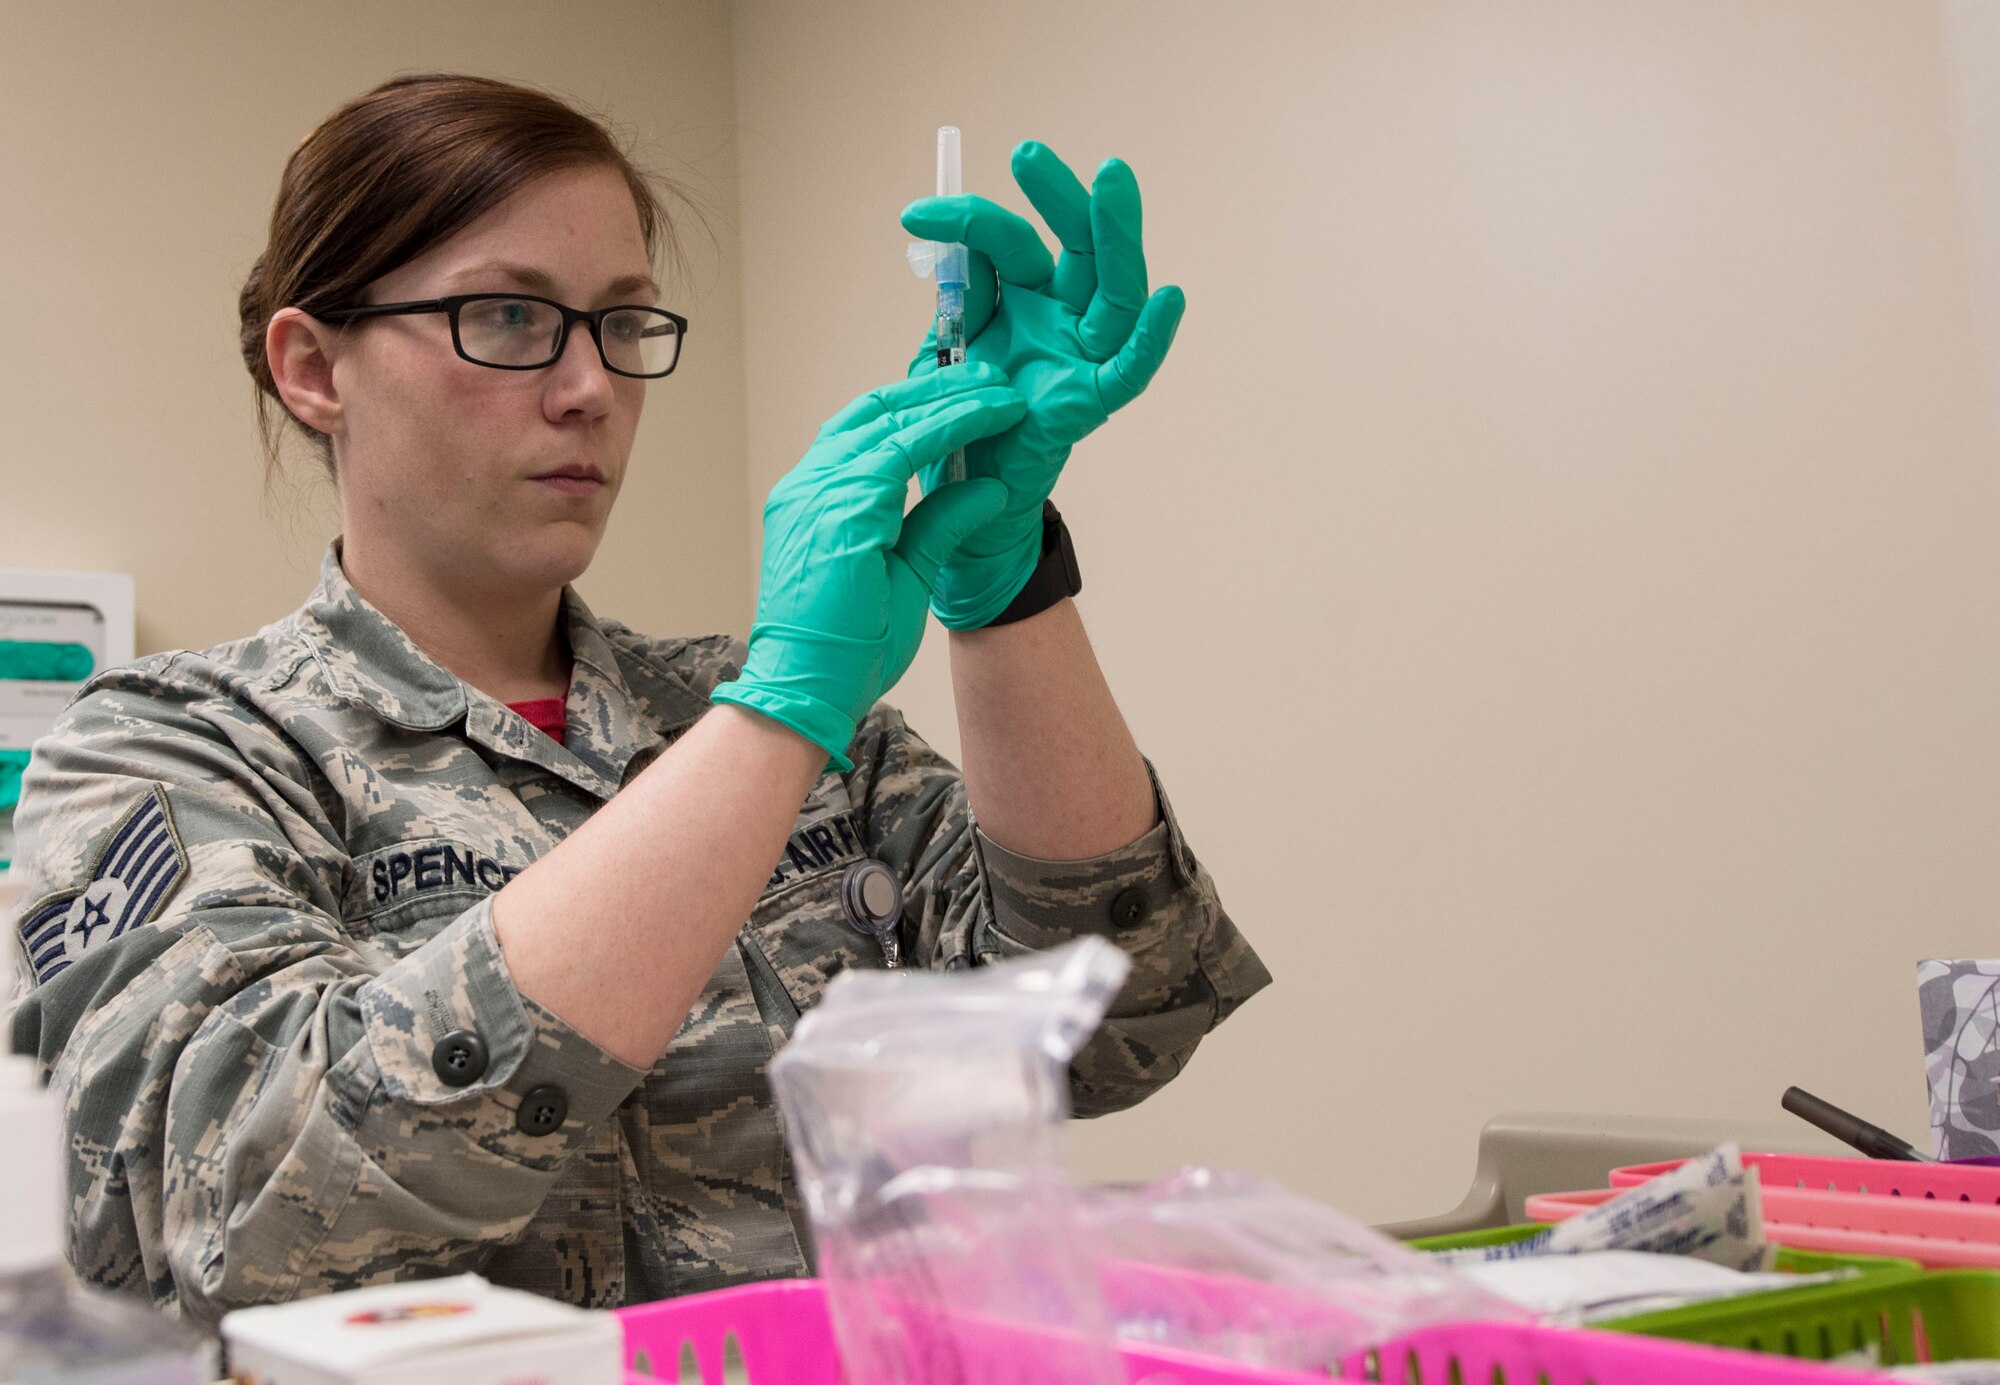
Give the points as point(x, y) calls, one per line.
point(52, 1330)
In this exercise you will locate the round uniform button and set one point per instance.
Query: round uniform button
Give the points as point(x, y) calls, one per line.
point(1130, 908)
point(542, 1112)
point(459, 1059)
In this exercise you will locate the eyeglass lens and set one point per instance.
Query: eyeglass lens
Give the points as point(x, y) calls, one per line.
point(523, 332)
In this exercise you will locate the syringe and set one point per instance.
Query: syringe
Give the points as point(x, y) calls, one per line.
point(951, 278)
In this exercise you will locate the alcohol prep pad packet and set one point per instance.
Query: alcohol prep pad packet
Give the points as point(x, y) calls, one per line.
point(1711, 1208)
point(1599, 1285)
point(1972, 1371)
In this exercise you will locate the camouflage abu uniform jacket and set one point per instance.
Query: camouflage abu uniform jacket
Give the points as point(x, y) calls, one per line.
point(259, 930)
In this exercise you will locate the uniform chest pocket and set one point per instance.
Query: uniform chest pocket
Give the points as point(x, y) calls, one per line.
point(412, 889)
point(811, 923)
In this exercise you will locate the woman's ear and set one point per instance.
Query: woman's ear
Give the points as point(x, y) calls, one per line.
point(300, 351)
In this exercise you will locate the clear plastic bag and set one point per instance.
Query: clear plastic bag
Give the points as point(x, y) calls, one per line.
point(1229, 1264)
point(926, 1116)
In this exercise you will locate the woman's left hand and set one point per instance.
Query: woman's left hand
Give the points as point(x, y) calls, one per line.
point(1079, 337)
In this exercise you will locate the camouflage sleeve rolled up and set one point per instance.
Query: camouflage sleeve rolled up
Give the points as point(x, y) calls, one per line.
point(968, 901)
point(260, 1104)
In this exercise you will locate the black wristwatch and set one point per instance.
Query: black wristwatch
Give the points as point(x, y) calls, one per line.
point(1055, 576)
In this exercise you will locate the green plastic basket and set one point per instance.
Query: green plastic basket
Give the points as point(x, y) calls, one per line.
point(1789, 1261)
point(1898, 1320)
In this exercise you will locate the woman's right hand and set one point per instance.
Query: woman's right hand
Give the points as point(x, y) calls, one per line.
point(847, 577)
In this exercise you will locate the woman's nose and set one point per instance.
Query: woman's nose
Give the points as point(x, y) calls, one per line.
point(580, 380)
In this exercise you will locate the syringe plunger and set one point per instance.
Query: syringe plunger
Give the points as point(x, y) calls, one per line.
point(950, 183)
point(950, 177)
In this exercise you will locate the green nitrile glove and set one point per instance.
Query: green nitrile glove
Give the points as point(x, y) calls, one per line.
point(847, 576)
point(1078, 337)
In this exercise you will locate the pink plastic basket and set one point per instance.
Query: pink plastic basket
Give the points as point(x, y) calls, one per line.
point(783, 1336)
point(1935, 1233)
point(1875, 1177)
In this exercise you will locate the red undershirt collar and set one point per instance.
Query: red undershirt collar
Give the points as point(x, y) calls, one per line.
point(544, 714)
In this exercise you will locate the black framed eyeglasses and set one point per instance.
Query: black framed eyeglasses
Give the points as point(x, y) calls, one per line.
point(518, 331)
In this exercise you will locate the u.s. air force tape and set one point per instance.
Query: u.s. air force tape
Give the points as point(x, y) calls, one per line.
point(831, 841)
point(136, 868)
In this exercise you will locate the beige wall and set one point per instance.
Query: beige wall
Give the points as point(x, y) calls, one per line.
point(140, 149)
point(1556, 571)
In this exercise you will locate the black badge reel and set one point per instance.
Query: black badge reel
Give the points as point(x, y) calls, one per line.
point(871, 898)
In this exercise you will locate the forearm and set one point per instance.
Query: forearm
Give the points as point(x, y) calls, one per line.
point(1050, 767)
point(661, 878)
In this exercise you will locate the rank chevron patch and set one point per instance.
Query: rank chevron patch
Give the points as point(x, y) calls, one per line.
point(137, 867)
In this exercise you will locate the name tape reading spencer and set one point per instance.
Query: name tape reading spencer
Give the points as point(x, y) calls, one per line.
point(830, 842)
point(439, 867)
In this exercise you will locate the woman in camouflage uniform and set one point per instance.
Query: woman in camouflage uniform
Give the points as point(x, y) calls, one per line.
point(442, 925)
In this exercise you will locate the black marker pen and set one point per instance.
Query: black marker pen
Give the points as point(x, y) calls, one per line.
point(1871, 1140)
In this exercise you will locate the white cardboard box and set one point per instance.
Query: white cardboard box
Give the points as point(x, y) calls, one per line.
point(463, 1331)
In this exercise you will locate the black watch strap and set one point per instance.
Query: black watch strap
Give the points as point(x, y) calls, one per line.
point(1055, 576)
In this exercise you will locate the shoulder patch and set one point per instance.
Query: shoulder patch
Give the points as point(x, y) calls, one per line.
point(138, 865)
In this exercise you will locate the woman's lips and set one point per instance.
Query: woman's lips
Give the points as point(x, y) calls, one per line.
point(572, 484)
